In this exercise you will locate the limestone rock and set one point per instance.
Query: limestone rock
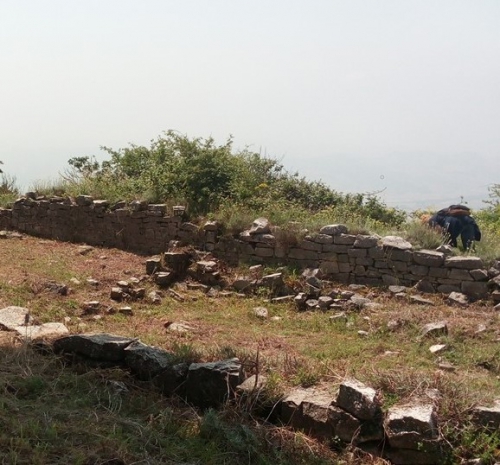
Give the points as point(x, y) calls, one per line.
point(211, 384)
point(435, 329)
point(260, 226)
point(458, 298)
point(145, 361)
point(106, 347)
point(359, 400)
point(334, 229)
point(261, 312)
point(396, 242)
point(13, 317)
point(407, 426)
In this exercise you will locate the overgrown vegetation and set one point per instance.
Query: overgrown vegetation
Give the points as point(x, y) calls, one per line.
point(235, 187)
point(210, 178)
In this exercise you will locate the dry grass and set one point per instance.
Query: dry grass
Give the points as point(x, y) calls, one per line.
point(297, 348)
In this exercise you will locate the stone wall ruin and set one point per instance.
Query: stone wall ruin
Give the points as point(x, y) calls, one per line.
point(340, 256)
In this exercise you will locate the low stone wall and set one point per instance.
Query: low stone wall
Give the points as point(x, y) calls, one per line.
point(341, 257)
point(350, 414)
point(137, 226)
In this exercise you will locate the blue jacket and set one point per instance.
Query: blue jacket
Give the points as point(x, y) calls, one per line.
point(453, 226)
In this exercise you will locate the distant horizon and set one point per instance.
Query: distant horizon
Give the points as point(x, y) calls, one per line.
point(390, 96)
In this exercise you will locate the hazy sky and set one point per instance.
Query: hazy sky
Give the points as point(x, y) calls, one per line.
point(363, 95)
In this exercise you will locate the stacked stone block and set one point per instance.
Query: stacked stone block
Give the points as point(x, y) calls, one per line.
point(341, 257)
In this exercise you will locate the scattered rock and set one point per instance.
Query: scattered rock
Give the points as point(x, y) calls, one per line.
point(260, 226)
point(154, 297)
point(425, 286)
point(85, 249)
point(435, 329)
point(93, 282)
point(178, 327)
point(420, 300)
point(359, 400)
point(457, 298)
point(91, 307)
point(396, 242)
point(12, 317)
point(211, 384)
point(261, 312)
point(106, 347)
point(397, 289)
point(436, 348)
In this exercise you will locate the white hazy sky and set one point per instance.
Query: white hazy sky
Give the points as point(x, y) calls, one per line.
point(401, 95)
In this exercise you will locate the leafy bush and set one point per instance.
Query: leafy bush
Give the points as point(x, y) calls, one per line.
point(210, 177)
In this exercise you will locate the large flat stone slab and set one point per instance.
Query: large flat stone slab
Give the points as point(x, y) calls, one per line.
point(12, 317)
point(103, 347)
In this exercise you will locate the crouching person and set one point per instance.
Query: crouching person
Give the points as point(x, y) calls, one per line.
point(456, 221)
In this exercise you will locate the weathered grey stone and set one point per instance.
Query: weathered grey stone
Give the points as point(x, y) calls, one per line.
point(428, 258)
point(395, 242)
point(359, 400)
point(172, 379)
point(117, 294)
point(436, 348)
point(105, 347)
point(272, 281)
point(324, 302)
point(164, 278)
point(389, 280)
point(212, 384)
point(479, 275)
point(406, 426)
point(252, 385)
point(311, 246)
point(457, 298)
point(425, 286)
point(320, 238)
point(419, 270)
point(448, 288)
point(291, 407)
point(311, 304)
point(365, 242)
point(460, 275)
point(334, 229)
point(475, 289)
point(438, 272)
point(154, 297)
point(301, 254)
point(261, 312)
point(488, 417)
point(260, 226)
point(345, 426)
point(329, 267)
point(43, 331)
point(146, 362)
point(359, 301)
point(396, 255)
point(84, 200)
point(435, 329)
point(465, 263)
point(13, 317)
point(179, 327)
point(397, 289)
point(177, 261)
point(315, 414)
point(241, 284)
point(416, 299)
point(344, 239)
point(300, 300)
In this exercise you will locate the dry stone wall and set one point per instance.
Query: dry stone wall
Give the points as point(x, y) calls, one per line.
point(341, 256)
